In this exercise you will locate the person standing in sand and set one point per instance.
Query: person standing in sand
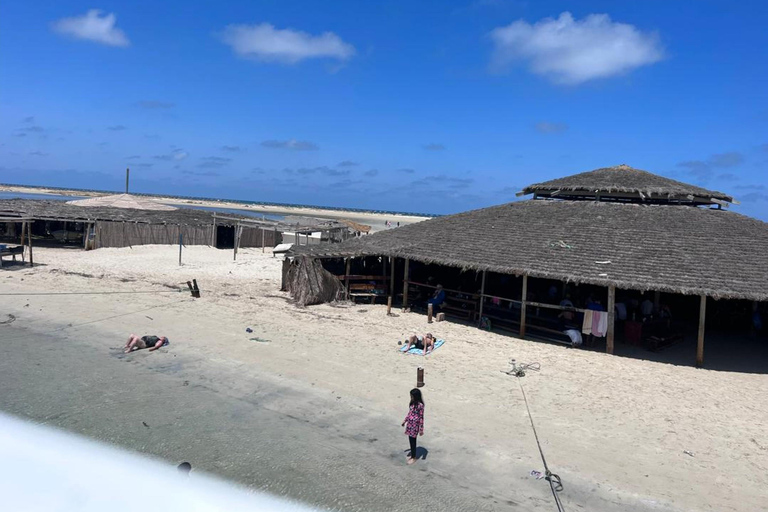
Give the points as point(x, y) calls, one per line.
point(414, 423)
point(151, 342)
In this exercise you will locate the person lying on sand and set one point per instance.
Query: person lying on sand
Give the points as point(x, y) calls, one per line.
point(425, 343)
point(151, 342)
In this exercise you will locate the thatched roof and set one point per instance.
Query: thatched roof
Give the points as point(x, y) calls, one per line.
point(60, 210)
point(128, 201)
point(679, 249)
point(356, 226)
point(622, 182)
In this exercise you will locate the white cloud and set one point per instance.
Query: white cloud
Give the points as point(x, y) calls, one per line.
point(569, 51)
point(92, 26)
point(265, 42)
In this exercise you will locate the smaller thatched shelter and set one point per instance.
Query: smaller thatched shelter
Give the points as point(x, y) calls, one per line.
point(309, 283)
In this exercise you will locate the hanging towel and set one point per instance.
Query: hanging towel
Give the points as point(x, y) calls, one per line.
point(599, 323)
point(586, 327)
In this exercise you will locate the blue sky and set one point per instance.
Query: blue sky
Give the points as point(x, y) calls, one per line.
point(428, 106)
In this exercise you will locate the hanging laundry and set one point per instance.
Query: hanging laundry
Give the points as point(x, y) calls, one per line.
point(586, 327)
point(599, 323)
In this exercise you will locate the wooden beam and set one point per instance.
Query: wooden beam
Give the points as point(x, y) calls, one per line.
point(702, 322)
point(482, 300)
point(611, 318)
point(346, 277)
point(263, 240)
point(405, 284)
point(523, 304)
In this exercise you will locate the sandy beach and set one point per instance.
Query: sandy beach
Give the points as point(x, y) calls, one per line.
point(377, 221)
point(623, 434)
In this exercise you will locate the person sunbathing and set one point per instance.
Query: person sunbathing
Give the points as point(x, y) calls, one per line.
point(151, 342)
point(425, 343)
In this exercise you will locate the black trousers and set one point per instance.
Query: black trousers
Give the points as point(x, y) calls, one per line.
point(412, 440)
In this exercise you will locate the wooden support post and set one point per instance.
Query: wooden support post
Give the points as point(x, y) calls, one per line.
point(274, 240)
point(702, 322)
point(405, 284)
point(391, 276)
point(263, 240)
point(656, 301)
point(611, 320)
point(181, 242)
point(238, 234)
point(389, 305)
point(29, 241)
point(23, 229)
point(213, 233)
point(346, 278)
point(482, 299)
point(523, 305)
point(429, 313)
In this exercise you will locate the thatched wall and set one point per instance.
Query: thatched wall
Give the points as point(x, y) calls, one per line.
point(251, 237)
point(125, 234)
point(309, 283)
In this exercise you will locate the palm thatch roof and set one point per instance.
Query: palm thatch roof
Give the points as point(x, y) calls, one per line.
point(623, 182)
point(59, 210)
point(678, 249)
point(122, 201)
point(356, 226)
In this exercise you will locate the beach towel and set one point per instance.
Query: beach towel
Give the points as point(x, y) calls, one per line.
point(420, 352)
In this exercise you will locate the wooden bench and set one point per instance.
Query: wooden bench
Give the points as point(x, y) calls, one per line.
point(365, 290)
point(11, 251)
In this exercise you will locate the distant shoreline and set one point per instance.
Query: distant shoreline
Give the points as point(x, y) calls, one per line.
point(375, 218)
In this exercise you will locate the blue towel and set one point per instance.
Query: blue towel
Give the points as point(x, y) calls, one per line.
point(420, 352)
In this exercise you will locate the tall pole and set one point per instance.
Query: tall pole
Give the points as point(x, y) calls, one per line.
point(181, 242)
point(127, 174)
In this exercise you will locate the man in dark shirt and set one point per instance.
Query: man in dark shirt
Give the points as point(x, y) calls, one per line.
point(151, 342)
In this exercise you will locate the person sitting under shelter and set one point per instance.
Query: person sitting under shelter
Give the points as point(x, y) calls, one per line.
point(437, 299)
point(151, 342)
point(425, 343)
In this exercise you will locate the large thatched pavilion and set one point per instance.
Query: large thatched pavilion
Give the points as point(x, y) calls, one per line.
point(613, 232)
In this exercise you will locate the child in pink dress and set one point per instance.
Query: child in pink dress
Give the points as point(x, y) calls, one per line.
point(414, 422)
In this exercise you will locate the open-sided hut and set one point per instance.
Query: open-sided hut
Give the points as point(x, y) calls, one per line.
point(608, 229)
point(97, 226)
